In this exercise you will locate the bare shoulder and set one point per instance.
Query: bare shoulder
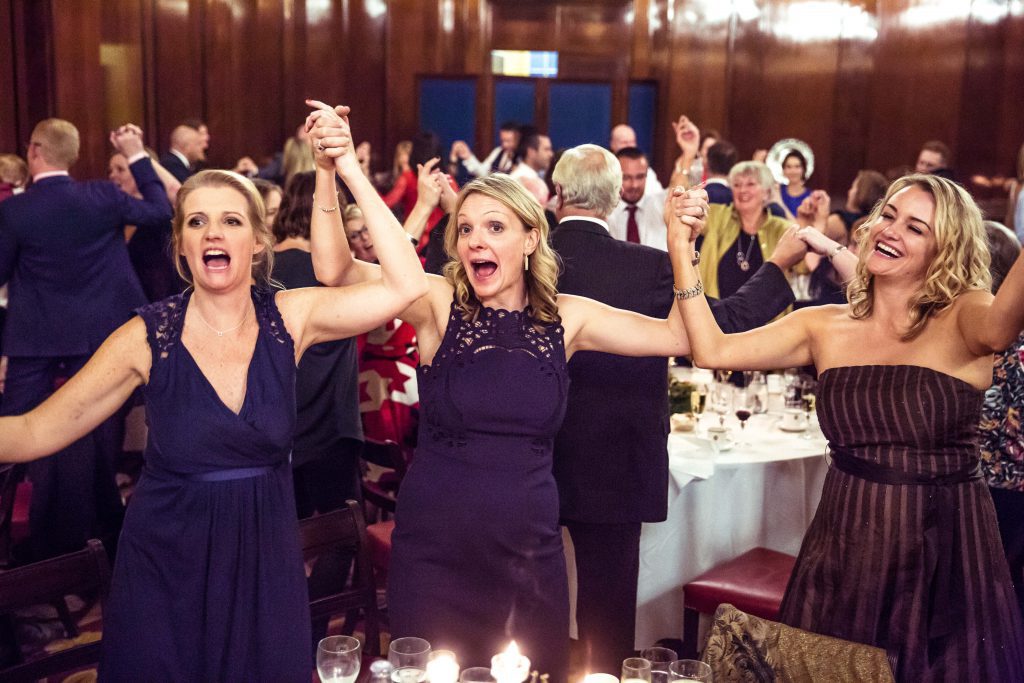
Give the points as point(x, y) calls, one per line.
point(972, 298)
point(575, 310)
point(128, 346)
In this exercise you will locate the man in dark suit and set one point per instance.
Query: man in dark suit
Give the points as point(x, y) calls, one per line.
point(611, 457)
point(186, 150)
point(63, 252)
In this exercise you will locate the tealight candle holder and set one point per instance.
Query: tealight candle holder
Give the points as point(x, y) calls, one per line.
point(510, 666)
point(600, 678)
point(442, 667)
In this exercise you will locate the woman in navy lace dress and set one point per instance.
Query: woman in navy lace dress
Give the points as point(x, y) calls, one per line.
point(477, 556)
point(208, 583)
point(903, 552)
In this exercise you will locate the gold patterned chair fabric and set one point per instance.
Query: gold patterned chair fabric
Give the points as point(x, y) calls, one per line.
point(747, 649)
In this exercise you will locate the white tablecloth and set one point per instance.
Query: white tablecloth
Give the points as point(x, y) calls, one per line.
point(720, 507)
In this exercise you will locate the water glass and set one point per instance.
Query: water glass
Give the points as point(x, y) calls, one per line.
point(338, 659)
point(636, 670)
point(409, 656)
point(476, 674)
point(689, 670)
point(660, 659)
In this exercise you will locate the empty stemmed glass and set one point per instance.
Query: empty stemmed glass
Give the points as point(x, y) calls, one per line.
point(338, 659)
point(660, 658)
point(409, 656)
point(720, 401)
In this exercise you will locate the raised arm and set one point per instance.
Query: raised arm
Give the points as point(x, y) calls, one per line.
point(154, 208)
point(321, 314)
point(593, 326)
point(428, 195)
point(843, 260)
point(782, 344)
point(989, 324)
point(95, 392)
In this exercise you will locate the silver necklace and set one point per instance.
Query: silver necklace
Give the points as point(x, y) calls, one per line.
point(743, 260)
point(221, 333)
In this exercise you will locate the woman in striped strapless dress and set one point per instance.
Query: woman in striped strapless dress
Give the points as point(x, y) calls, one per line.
point(903, 552)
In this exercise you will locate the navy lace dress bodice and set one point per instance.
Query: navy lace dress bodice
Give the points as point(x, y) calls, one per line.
point(209, 583)
point(477, 554)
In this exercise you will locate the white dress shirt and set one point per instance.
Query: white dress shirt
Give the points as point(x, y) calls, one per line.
point(482, 168)
point(649, 220)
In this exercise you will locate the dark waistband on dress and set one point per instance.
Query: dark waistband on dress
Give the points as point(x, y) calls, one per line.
point(946, 590)
point(216, 475)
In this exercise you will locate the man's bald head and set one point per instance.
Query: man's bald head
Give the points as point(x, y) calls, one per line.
point(188, 141)
point(622, 136)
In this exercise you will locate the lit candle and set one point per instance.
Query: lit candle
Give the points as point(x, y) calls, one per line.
point(600, 678)
point(442, 667)
point(510, 666)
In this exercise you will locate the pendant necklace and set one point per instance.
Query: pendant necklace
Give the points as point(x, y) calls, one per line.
point(743, 260)
point(221, 333)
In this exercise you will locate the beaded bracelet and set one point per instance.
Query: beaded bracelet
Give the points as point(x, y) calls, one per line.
point(689, 292)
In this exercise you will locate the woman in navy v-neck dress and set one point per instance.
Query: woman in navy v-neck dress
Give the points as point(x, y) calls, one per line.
point(209, 583)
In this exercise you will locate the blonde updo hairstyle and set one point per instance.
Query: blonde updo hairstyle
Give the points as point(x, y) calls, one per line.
point(961, 263)
point(541, 278)
point(262, 261)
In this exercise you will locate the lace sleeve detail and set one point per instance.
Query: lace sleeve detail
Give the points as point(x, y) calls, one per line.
point(270, 318)
point(163, 324)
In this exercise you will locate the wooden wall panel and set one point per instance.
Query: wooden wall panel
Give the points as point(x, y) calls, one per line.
point(917, 79)
point(179, 90)
point(865, 82)
point(9, 132)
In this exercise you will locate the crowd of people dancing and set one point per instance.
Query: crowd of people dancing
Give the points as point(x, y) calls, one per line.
point(506, 320)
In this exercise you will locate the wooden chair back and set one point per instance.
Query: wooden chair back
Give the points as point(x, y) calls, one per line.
point(83, 573)
point(345, 530)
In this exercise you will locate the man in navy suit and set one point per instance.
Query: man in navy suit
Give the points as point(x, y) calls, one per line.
point(186, 150)
point(63, 253)
point(611, 456)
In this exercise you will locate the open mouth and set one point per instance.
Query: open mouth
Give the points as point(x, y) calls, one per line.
point(483, 269)
point(216, 259)
point(887, 251)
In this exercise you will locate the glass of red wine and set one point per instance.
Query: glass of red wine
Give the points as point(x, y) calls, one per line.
point(743, 404)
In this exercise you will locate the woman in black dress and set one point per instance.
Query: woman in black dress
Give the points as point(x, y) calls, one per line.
point(477, 556)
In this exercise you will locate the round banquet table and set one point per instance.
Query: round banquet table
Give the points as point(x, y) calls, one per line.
point(721, 505)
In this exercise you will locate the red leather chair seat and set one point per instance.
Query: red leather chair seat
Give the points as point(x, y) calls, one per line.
point(378, 538)
point(754, 582)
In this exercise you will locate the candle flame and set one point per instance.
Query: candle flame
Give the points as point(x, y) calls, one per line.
point(512, 649)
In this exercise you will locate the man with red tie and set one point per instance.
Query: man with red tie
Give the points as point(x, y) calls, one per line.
point(638, 217)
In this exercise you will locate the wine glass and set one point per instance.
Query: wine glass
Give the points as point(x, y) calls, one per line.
point(809, 399)
point(660, 659)
point(409, 656)
point(338, 659)
point(689, 670)
point(698, 401)
point(636, 670)
point(743, 405)
point(720, 400)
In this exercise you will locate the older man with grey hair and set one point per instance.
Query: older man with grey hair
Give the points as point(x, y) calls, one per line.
point(611, 456)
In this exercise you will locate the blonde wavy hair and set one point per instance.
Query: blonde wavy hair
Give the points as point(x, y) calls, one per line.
point(961, 263)
point(541, 278)
point(262, 261)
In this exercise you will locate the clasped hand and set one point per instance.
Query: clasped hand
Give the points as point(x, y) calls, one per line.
point(686, 211)
point(330, 136)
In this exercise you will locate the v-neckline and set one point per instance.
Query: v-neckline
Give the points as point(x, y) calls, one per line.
point(206, 380)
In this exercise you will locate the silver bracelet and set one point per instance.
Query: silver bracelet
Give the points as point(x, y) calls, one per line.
point(325, 209)
point(689, 292)
point(834, 251)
